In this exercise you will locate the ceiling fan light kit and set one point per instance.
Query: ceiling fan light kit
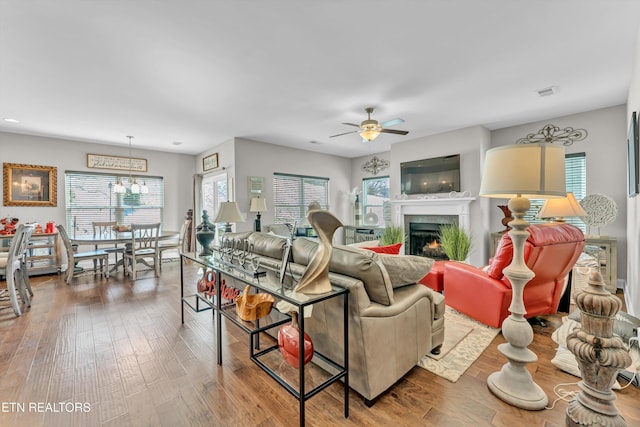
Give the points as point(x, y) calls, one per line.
point(370, 129)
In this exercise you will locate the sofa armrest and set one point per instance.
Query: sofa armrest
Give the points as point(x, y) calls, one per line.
point(406, 297)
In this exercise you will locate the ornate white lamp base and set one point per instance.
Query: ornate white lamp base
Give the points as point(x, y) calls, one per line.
point(513, 383)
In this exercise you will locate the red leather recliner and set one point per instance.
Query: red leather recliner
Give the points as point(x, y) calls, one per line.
point(550, 252)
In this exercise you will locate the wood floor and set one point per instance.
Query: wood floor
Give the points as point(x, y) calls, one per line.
point(114, 353)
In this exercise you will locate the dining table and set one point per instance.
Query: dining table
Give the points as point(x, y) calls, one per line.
point(118, 238)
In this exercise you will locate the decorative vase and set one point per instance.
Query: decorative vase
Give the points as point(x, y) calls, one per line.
point(288, 341)
point(205, 233)
point(356, 211)
point(507, 217)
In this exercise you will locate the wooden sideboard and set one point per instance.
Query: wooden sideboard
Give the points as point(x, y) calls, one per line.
point(361, 233)
point(43, 254)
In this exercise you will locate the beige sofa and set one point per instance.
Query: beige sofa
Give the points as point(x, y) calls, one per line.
point(392, 324)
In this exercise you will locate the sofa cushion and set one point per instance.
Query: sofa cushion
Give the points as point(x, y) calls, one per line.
point(353, 262)
point(405, 269)
point(269, 245)
point(389, 249)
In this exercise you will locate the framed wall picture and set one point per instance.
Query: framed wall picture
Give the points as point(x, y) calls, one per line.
point(29, 185)
point(210, 162)
point(632, 155)
point(256, 186)
point(100, 161)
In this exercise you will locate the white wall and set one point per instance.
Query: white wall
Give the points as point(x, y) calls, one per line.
point(471, 144)
point(632, 290)
point(177, 170)
point(606, 156)
point(255, 158)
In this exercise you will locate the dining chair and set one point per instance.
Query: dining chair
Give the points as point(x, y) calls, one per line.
point(105, 229)
point(143, 248)
point(173, 245)
point(14, 270)
point(75, 257)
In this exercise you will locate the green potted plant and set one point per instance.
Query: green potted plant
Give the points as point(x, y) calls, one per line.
point(391, 235)
point(455, 242)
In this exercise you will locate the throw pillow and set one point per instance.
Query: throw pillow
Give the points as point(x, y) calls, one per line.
point(366, 243)
point(406, 269)
point(389, 249)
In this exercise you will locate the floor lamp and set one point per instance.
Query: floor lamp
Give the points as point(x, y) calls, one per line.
point(520, 172)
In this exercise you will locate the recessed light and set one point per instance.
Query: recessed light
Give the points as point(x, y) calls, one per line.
point(177, 143)
point(10, 120)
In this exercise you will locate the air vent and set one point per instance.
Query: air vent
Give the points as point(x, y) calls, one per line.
point(547, 91)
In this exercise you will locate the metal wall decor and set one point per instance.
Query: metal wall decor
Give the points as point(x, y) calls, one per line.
point(375, 165)
point(552, 133)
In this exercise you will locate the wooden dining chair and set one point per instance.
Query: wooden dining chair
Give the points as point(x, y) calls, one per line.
point(106, 229)
point(74, 257)
point(14, 270)
point(173, 245)
point(143, 248)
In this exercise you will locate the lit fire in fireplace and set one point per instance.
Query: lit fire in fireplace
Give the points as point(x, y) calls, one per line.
point(433, 245)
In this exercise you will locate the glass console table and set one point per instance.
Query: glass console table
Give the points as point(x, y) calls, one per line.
point(258, 280)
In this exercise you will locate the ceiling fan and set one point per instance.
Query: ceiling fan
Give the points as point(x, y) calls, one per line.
point(370, 129)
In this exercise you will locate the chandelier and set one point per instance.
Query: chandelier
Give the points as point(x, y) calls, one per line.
point(135, 188)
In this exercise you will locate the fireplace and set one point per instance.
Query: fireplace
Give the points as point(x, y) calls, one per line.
point(424, 235)
point(421, 220)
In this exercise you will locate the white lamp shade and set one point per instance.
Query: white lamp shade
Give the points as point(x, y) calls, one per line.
point(229, 212)
point(562, 207)
point(258, 204)
point(533, 171)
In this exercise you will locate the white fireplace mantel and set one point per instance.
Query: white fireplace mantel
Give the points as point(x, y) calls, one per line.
point(459, 206)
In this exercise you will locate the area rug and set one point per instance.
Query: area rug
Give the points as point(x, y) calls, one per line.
point(464, 341)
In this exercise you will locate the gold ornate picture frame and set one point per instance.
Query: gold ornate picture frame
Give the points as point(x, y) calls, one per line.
point(29, 185)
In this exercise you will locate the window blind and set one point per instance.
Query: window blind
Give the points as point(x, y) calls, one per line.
point(90, 198)
point(293, 193)
point(575, 165)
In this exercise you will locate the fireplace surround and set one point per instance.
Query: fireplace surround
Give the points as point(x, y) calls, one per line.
point(426, 215)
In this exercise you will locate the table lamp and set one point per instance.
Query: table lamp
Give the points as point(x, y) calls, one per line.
point(561, 208)
point(228, 213)
point(258, 204)
point(520, 172)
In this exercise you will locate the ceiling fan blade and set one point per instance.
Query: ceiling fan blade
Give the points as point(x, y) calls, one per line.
point(397, 132)
point(351, 124)
point(392, 122)
point(346, 133)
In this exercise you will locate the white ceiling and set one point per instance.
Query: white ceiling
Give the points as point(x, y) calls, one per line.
point(290, 72)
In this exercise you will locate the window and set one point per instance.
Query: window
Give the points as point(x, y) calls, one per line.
point(576, 176)
point(293, 193)
point(375, 193)
point(214, 192)
point(90, 198)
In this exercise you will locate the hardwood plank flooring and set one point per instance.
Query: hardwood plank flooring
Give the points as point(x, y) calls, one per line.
point(117, 349)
